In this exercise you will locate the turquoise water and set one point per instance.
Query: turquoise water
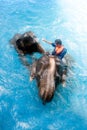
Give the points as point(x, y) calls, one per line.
point(20, 105)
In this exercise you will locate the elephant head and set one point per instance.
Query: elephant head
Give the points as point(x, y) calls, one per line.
point(48, 73)
point(26, 43)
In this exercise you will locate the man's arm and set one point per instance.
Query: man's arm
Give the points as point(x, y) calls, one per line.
point(46, 41)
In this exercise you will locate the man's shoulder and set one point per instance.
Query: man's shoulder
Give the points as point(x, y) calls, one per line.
point(53, 44)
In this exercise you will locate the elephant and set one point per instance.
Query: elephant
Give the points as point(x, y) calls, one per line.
point(49, 71)
point(26, 43)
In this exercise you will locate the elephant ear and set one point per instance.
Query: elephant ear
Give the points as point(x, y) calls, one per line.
point(59, 68)
point(61, 72)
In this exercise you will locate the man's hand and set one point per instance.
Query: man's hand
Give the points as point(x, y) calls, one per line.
point(46, 41)
point(43, 39)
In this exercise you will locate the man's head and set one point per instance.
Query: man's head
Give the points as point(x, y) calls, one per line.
point(58, 42)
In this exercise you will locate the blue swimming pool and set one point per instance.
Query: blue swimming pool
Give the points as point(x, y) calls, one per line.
point(20, 105)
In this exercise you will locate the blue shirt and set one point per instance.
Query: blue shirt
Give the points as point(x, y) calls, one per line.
point(61, 54)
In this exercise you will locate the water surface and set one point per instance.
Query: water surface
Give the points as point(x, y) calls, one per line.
point(20, 105)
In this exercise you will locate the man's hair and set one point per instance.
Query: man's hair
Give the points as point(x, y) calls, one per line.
point(58, 41)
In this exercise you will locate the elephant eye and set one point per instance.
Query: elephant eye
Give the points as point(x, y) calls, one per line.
point(33, 75)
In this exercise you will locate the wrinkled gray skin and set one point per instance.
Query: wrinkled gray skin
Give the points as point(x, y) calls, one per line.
point(26, 43)
point(49, 72)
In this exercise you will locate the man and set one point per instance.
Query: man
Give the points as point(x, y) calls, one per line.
point(59, 49)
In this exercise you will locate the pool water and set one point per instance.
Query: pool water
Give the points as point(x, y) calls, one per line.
point(20, 106)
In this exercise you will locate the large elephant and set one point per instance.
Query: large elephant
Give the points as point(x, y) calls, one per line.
point(49, 71)
point(26, 43)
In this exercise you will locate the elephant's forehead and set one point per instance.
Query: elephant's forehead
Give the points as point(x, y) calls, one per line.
point(44, 74)
point(43, 60)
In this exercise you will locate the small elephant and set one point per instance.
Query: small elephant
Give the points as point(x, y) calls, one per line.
point(26, 43)
point(49, 71)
